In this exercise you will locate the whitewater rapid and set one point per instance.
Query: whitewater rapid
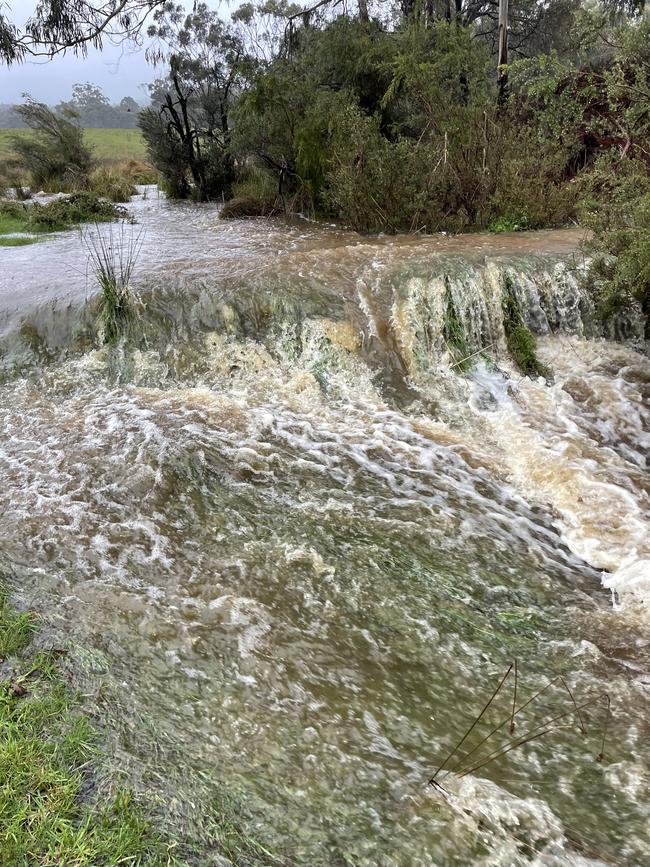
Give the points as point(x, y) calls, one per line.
point(291, 546)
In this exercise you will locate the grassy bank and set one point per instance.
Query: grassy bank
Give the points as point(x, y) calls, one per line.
point(59, 805)
point(108, 145)
point(51, 812)
point(34, 220)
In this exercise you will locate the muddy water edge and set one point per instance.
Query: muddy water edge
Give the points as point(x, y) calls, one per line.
point(295, 530)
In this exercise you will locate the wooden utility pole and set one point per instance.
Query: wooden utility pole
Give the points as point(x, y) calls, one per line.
point(502, 74)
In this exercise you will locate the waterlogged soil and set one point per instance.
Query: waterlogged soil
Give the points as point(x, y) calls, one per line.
point(293, 550)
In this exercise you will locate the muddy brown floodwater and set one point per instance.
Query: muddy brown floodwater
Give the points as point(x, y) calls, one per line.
point(293, 545)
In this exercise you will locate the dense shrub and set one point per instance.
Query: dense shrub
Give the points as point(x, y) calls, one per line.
point(398, 126)
point(371, 183)
point(616, 208)
point(166, 153)
point(58, 215)
point(69, 212)
point(55, 157)
point(401, 132)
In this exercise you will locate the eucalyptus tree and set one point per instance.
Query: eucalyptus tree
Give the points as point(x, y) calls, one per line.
point(57, 26)
point(187, 128)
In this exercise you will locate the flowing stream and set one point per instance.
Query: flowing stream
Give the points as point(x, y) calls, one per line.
point(294, 545)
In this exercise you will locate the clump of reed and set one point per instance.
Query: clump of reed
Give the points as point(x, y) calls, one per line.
point(117, 181)
point(138, 172)
point(109, 183)
point(113, 256)
point(464, 759)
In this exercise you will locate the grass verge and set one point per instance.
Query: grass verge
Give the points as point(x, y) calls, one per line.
point(54, 809)
point(21, 241)
point(56, 216)
point(47, 750)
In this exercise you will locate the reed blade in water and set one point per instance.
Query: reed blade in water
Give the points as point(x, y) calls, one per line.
point(536, 729)
point(113, 256)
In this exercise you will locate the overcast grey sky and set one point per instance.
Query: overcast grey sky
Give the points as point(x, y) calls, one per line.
point(119, 70)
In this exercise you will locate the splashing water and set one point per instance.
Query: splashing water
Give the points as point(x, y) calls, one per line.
point(296, 548)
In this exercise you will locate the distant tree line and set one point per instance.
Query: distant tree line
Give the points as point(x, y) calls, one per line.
point(89, 105)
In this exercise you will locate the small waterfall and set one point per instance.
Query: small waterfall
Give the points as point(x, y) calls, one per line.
point(550, 296)
point(283, 520)
point(402, 310)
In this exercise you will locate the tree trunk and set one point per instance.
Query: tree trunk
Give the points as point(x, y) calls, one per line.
point(502, 73)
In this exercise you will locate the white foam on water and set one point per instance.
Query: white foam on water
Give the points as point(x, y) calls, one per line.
point(309, 576)
point(580, 444)
point(520, 831)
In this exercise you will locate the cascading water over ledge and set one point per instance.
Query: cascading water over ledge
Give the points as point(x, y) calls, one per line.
point(297, 543)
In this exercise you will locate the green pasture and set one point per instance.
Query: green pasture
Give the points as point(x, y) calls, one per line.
point(109, 145)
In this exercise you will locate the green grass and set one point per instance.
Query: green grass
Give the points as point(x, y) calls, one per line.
point(11, 221)
point(22, 241)
point(16, 629)
point(47, 762)
point(55, 216)
point(56, 806)
point(108, 145)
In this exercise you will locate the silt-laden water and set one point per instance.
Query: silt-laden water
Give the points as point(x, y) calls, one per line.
point(296, 549)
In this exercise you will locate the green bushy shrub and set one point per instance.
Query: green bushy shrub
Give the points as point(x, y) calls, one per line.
point(58, 215)
point(66, 213)
point(55, 156)
point(616, 208)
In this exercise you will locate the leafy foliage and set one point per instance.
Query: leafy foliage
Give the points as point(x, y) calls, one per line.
point(397, 131)
point(389, 128)
point(58, 215)
point(55, 27)
point(617, 210)
point(56, 153)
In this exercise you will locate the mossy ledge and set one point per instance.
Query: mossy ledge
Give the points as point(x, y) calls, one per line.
point(520, 339)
